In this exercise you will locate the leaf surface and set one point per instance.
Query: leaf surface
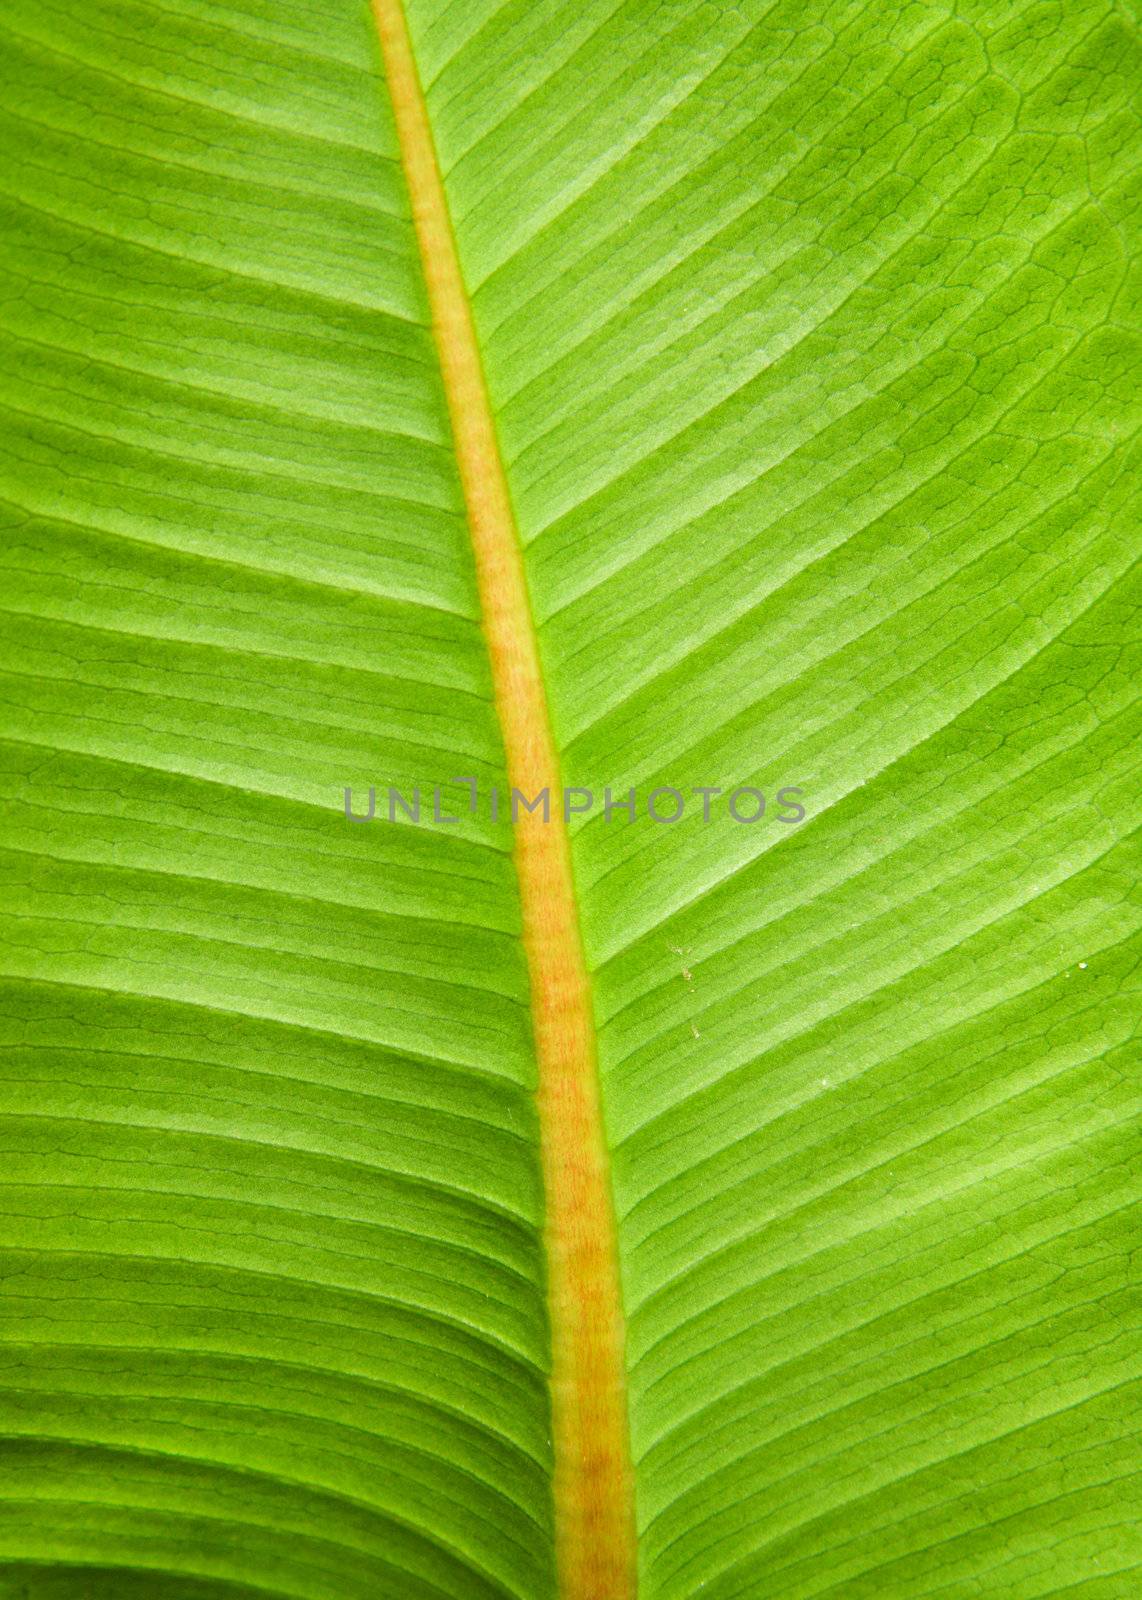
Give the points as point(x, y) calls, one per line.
point(807, 337)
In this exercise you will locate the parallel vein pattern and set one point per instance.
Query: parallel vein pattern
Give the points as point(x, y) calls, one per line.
point(808, 332)
point(270, 1213)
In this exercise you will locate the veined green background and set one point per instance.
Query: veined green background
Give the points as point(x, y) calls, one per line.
point(807, 333)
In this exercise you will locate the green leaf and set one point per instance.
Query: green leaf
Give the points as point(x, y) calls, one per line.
point(807, 333)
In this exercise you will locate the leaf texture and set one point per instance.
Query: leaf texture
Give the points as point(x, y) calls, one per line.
point(809, 347)
point(808, 335)
point(271, 1195)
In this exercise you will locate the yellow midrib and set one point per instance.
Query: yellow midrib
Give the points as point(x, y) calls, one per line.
point(593, 1488)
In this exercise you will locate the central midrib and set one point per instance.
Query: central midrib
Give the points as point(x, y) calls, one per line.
point(593, 1487)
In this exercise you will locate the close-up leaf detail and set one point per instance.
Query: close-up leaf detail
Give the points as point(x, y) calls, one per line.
point(721, 419)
